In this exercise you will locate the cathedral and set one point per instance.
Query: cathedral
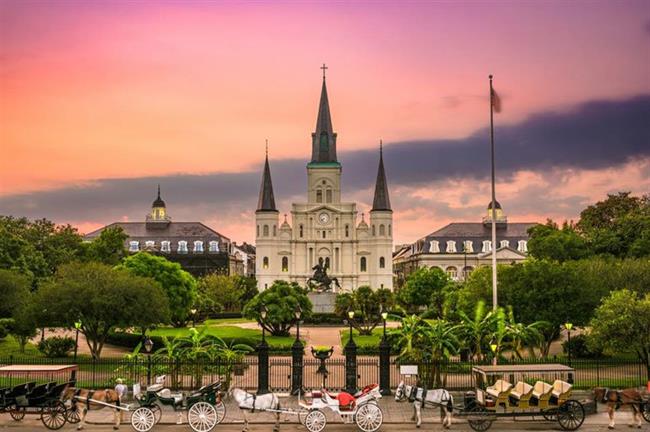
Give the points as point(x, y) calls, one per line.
point(325, 232)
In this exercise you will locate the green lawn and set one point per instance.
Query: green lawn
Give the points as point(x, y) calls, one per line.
point(249, 336)
point(363, 342)
point(222, 321)
point(9, 347)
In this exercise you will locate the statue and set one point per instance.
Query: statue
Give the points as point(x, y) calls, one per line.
point(320, 281)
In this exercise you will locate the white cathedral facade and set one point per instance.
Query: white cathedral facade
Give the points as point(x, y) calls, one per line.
point(324, 229)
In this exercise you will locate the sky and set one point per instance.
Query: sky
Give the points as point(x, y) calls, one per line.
point(102, 100)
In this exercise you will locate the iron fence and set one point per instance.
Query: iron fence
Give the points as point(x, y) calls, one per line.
point(185, 375)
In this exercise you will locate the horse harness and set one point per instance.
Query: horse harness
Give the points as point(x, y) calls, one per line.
point(421, 392)
point(248, 396)
point(609, 392)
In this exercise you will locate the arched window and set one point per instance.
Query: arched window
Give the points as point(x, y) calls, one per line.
point(182, 246)
point(319, 195)
point(165, 246)
point(301, 230)
point(214, 246)
point(374, 232)
point(390, 230)
point(487, 246)
point(265, 262)
point(466, 271)
point(468, 246)
point(134, 246)
point(522, 246)
point(362, 264)
point(382, 262)
point(324, 233)
point(275, 231)
point(266, 230)
point(327, 262)
point(452, 272)
point(328, 195)
point(258, 230)
point(451, 246)
point(382, 230)
point(198, 246)
point(347, 230)
point(434, 246)
point(285, 264)
point(504, 243)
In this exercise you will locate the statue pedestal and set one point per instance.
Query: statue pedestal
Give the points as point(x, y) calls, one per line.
point(322, 302)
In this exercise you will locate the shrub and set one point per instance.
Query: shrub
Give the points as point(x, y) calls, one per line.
point(579, 348)
point(56, 346)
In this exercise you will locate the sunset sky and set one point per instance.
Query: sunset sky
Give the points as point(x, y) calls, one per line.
point(102, 100)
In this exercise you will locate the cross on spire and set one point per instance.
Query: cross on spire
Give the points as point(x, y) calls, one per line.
point(324, 68)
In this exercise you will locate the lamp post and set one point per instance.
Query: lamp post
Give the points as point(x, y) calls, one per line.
point(148, 346)
point(77, 326)
point(193, 312)
point(350, 359)
point(263, 357)
point(43, 328)
point(384, 358)
point(493, 347)
point(568, 326)
point(297, 353)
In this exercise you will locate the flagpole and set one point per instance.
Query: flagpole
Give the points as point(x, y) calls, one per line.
point(494, 210)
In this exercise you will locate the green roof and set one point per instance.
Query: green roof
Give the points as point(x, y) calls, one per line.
point(324, 165)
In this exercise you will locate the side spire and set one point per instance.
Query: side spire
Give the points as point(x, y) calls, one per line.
point(266, 200)
point(381, 200)
point(324, 138)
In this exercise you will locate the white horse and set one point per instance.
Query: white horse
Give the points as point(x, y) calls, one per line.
point(420, 398)
point(251, 402)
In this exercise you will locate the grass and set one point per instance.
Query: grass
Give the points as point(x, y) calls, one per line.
point(222, 321)
point(10, 347)
point(363, 342)
point(248, 336)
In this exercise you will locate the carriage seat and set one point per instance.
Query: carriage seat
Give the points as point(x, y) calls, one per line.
point(500, 389)
point(167, 395)
point(541, 394)
point(521, 394)
point(561, 390)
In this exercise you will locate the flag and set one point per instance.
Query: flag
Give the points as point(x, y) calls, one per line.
point(496, 101)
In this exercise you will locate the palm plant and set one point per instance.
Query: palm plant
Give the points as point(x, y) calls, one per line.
point(443, 342)
point(522, 335)
point(476, 331)
point(410, 338)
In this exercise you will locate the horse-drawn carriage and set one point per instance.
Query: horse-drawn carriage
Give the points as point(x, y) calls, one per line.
point(204, 407)
point(43, 400)
point(540, 390)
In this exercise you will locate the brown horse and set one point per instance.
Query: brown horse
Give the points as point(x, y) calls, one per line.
point(615, 399)
point(78, 397)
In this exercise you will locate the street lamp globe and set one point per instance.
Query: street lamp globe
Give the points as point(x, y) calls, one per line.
point(148, 344)
point(351, 314)
point(77, 325)
point(298, 312)
point(568, 326)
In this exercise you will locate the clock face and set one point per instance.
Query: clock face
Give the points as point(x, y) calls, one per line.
point(323, 218)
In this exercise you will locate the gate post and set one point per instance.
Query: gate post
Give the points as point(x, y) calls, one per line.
point(262, 367)
point(384, 367)
point(297, 353)
point(351, 366)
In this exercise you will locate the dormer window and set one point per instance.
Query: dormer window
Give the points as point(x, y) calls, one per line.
point(468, 246)
point(451, 246)
point(165, 246)
point(504, 243)
point(182, 246)
point(214, 246)
point(198, 246)
point(134, 246)
point(522, 246)
point(487, 245)
point(434, 246)
point(149, 244)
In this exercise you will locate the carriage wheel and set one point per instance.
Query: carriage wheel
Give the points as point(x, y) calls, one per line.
point(143, 419)
point(570, 415)
point(53, 415)
point(479, 419)
point(369, 417)
point(157, 412)
point(220, 407)
point(550, 415)
point(72, 415)
point(645, 411)
point(202, 417)
point(315, 421)
point(17, 413)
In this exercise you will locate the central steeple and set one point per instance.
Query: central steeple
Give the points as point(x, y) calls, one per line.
point(324, 138)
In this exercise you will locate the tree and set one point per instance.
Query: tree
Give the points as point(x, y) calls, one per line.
point(621, 324)
point(549, 242)
point(248, 287)
point(367, 306)
point(14, 287)
point(220, 291)
point(178, 285)
point(109, 247)
point(281, 300)
point(423, 288)
point(23, 327)
point(476, 330)
point(101, 298)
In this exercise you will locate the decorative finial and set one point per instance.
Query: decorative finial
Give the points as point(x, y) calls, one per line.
point(324, 68)
point(363, 217)
point(158, 190)
point(285, 218)
point(490, 77)
point(381, 146)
